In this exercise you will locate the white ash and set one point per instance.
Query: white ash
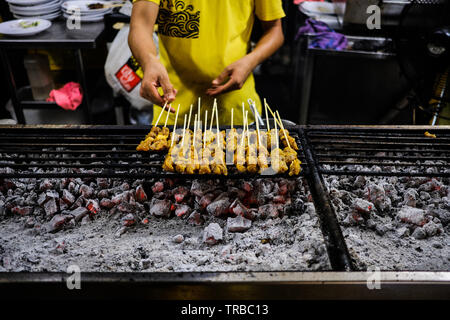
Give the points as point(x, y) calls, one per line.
point(394, 223)
point(115, 225)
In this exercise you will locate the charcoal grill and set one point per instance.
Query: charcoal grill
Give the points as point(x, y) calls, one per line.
point(109, 151)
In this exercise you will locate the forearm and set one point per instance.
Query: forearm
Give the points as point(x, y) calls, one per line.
point(271, 40)
point(140, 38)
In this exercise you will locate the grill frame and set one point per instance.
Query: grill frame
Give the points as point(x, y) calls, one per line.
point(342, 278)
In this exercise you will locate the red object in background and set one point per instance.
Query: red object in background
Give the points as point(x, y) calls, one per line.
point(68, 97)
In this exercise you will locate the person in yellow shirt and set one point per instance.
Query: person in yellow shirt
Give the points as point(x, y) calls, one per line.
point(204, 51)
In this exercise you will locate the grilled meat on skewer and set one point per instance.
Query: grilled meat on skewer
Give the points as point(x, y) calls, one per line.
point(294, 168)
point(292, 141)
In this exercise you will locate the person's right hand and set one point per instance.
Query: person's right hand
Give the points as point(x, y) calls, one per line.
point(155, 76)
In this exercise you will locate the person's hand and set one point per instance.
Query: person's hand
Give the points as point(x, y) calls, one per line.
point(155, 76)
point(233, 77)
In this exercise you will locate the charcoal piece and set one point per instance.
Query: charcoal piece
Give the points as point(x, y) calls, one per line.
point(212, 234)
point(238, 224)
point(218, 207)
point(161, 208)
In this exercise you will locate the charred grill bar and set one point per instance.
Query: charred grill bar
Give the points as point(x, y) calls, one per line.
point(109, 152)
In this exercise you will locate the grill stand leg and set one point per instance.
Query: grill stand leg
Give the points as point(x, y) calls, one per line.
point(336, 247)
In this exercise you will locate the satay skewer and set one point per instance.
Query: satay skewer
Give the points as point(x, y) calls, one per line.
point(175, 126)
point(267, 115)
point(162, 111)
point(284, 130)
point(184, 131)
point(232, 117)
point(206, 127)
point(189, 119)
point(167, 117)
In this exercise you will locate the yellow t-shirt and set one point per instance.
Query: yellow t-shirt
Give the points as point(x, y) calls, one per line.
point(198, 39)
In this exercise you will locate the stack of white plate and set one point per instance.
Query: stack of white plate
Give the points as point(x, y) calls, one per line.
point(85, 10)
point(40, 9)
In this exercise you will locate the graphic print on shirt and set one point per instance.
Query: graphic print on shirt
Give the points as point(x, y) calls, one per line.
point(176, 19)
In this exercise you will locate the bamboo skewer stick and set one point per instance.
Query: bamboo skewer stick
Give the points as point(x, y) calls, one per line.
point(232, 117)
point(217, 122)
point(258, 133)
point(189, 119)
point(184, 132)
point(195, 131)
point(167, 117)
point(273, 114)
point(212, 119)
point(284, 130)
point(206, 127)
point(248, 130)
point(276, 136)
point(267, 115)
point(175, 126)
point(157, 121)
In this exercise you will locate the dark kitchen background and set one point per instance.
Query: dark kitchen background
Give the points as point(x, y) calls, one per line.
point(382, 76)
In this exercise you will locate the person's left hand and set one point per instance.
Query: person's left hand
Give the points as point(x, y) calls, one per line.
point(232, 78)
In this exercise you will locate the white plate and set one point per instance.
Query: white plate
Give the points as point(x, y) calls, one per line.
point(83, 6)
point(46, 6)
point(27, 2)
point(13, 28)
point(35, 12)
point(88, 14)
point(50, 16)
point(319, 8)
point(96, 18)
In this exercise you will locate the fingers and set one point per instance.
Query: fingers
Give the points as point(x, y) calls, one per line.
point(229, 86)
point(149, 91)
point(221, 78)
point(168, 89)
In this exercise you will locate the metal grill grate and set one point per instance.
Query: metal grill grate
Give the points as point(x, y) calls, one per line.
point(381, 151)
point(85, 151)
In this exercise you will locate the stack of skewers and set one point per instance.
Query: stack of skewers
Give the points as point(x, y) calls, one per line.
point(208, 151)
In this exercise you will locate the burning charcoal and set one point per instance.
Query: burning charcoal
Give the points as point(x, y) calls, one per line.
point(86, 191)
point(402, 232)
point(410, 198)
point(45, 185)
point(238, 224)
point(93, 207)
point(125, 207)
point(206, 200)
point(62, 205)
point(419, 233)
point(180, 194)
point(160, 208)
point(145, 221)
point(51, 207)
point(279, 199)
point(283, 187)
point(159, 195)
point(236, 193)
point(196, 218)
point(128, 220)
point(119, 198)
point(158, 187)
point(212, 234)
point(360, 181)
point(238, 209)
point(85, 220)
point(125, 186)
point(67, 197)
point(60, 246)
point(182, 210)
point(106, 203)
point(56, 223)
point(412, 215)
point(23, 211)
point(362, 206)
point(179, 238)
point(42, 199)
point(103, 194)
point(103, 183)
point(30, 222)
point(198, 188)
point(141, 196)
point(79, 202)
point(72, 187)
point(218, 207)
point(268, 211)
point(79, 213)
point(247, 186)
point(432, 229)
